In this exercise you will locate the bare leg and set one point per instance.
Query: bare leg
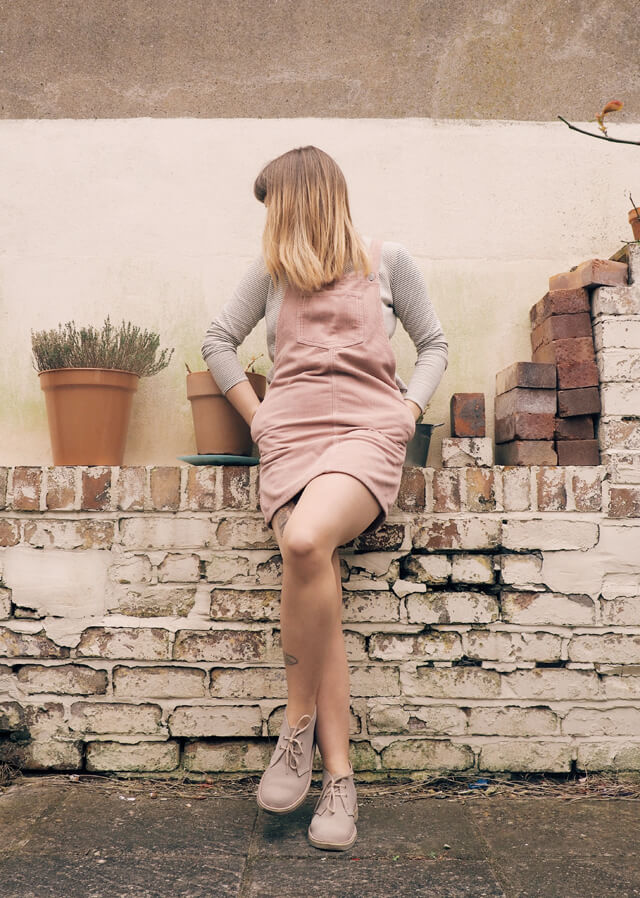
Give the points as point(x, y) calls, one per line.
point(332, 725)
point(332, 510)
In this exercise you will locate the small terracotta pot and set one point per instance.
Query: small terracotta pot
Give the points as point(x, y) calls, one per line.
point(219, 428)
point(635, 223)
point(88, 410)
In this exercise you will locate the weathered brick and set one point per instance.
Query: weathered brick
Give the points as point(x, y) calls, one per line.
point(619, 433)
point(467, 415)
point(452, 607)
point(374, 679)
point(601, 722)
point(559, 302)
point(460, 452)
point(150, 532)
point(27, 482)
point(513, 721)
point(220, 645)
point(411, 496)
point(201, 494)
point(230, 756)
point(589, 273)
point(235, 486)
point(578, 375)
point(149, 757)
point(616, 332)
point(425, 754)
point(457, 533)
point(526, 452)
point(177, 567)
point(561, 327)
point(480, 489)
point(446, 490)
point(85, 533)
point(131, 569)
point(613, 648)
point(4, 478)
point(129, 493)
point(245, 604)
point(552, 492)
point(96, 489)
point(586, 486)
point(622, 467)
point(521, 571)
point(608, 756)
point(158, 682)
point(64, 679)
point(516, 488)
point(538, 608)
point(578, 452)
point(620, 300)
point(248, 682)
point(15, 644)
point(624, 502)
point(116, 717)
point(620, 399)
point(551, 684)
point(522, 399)
point(508, 646)
point(468, 568)
point(451, 682)
point(582, 401)
point(61, 487)
point(525, 755)
point(579, 427)
point(371, 606)
point(5, 605)
point(154, 600)
point(141, 643)
point(524, 426)
point(549, 534)
point(165, 488)
point(403, 646)
point(9, 532)
point(429, 568)
point(619, 365)
point(216, 720)
point(530, 375)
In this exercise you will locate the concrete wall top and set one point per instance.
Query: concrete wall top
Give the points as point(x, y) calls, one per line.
point(366, 58)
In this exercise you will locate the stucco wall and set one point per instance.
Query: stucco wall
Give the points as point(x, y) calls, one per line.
point(154, 221)
point(367, 58)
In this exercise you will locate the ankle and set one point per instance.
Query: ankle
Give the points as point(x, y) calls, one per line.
point(294, 714)
point(338, 767)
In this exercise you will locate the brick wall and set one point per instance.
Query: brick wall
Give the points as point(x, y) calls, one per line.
point(493, 624)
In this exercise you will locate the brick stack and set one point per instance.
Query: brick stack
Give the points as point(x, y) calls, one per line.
point(562, 336)
point(525, 414)
point(468, 445)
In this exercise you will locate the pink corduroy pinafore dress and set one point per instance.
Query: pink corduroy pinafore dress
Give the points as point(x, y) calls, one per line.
point(333, 403)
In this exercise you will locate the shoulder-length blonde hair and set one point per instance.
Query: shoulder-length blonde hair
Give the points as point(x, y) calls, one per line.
point(308, 237)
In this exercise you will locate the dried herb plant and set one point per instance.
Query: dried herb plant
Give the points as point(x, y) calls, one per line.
point(126, 348)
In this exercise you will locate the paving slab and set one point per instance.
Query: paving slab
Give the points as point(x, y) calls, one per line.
point(90, 840)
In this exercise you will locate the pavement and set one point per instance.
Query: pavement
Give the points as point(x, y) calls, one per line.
point(106, 838)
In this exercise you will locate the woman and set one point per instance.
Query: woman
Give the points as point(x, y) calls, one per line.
point(332, 434)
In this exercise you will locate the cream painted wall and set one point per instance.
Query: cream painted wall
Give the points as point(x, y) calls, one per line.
point(154, 220)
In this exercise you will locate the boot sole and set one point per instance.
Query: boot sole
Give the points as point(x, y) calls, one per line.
point(335, 846)
point(288, 809)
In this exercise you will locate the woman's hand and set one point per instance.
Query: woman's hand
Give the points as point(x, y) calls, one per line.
point(414, 408)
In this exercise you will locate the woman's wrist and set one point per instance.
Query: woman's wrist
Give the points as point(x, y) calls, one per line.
point(415, 409)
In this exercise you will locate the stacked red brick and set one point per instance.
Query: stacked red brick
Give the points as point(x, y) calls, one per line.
point(562, 336)
point(525, 413)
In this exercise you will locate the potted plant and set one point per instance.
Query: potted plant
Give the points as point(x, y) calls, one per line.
point(612, 106)
point(88, 377)
point(219, 428)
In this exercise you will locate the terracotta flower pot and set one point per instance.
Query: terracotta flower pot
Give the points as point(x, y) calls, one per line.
point(219, 428)
point(88, 410)
point(635, 223)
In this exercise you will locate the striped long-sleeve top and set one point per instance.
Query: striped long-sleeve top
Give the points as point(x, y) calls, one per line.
point(403, 293)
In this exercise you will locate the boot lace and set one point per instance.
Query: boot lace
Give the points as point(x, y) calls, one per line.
point(293, 748)
point(332, 790)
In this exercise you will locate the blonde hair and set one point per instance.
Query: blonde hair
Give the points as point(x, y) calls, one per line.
point(308, 237)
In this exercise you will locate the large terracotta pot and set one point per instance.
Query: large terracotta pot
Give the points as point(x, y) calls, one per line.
point(219, 428)
point(88, 410)
point(635, 223)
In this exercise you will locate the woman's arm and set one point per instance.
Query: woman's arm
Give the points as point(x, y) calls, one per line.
point(236, 320)
point(415, 310)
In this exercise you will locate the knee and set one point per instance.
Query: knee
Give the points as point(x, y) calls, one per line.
point(303, 546)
